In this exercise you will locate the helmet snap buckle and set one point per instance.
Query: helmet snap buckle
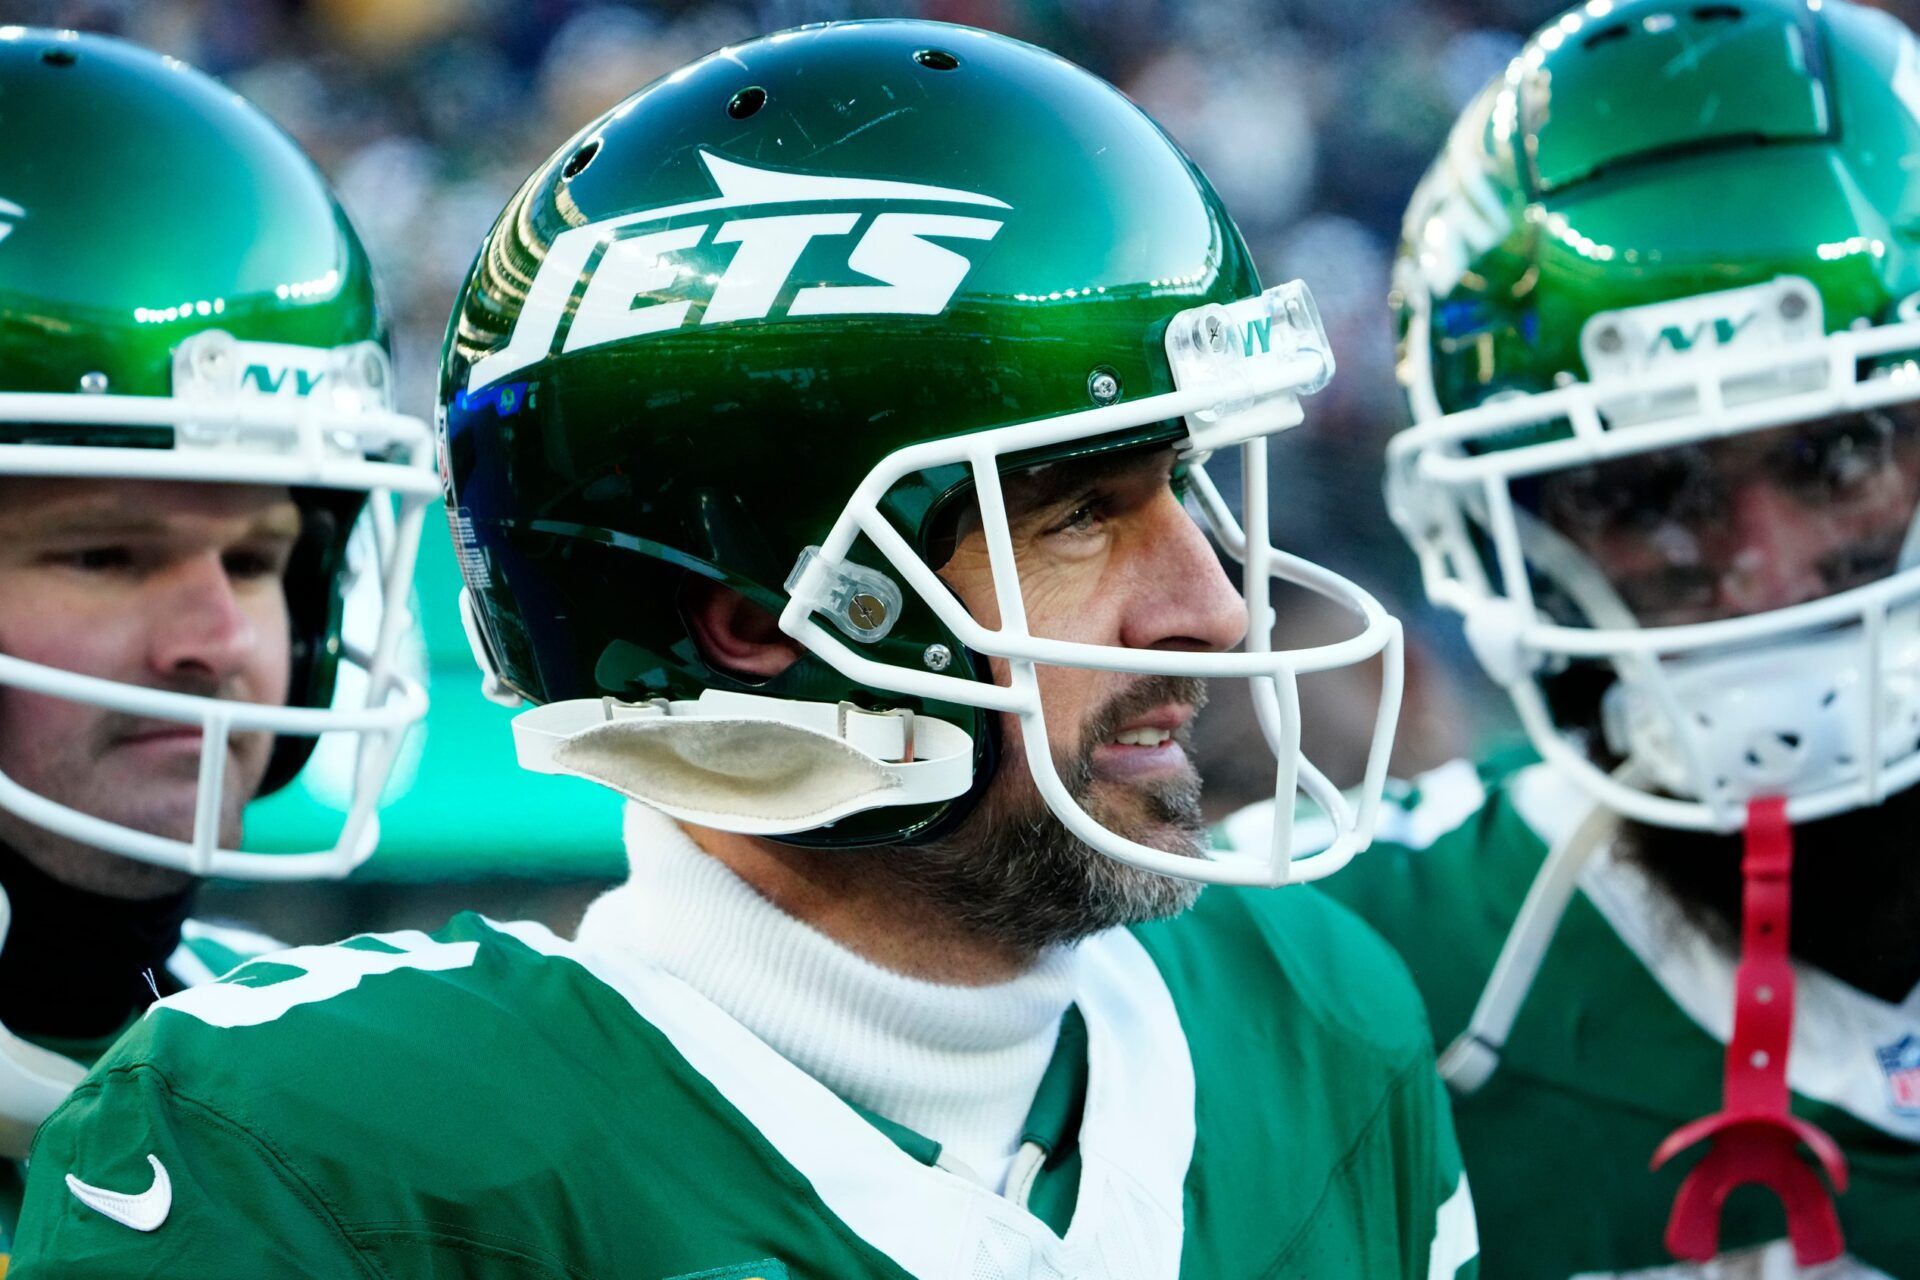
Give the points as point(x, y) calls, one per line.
point(863, 603)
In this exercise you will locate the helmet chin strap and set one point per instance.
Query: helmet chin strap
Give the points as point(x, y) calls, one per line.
point(1754, 1137)
point(33, 1081)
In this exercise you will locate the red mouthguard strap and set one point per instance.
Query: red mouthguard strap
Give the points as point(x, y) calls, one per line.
point(1754, 1137)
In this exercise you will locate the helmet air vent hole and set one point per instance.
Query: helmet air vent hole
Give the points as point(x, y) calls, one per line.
point(579, 160)
point(746, 102)
point(1844, 761)
point(936, 59)
point(1831, 695)
point(59, 57)
point(1789, 740)
point(1718, 13)
point(1606, 35)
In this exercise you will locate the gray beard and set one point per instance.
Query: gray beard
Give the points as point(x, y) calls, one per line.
point(1013, 873)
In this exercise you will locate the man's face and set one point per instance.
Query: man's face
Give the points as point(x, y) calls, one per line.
point(1750, 523)
point(1107, 555)
point(1738, 527)
point(165, 585)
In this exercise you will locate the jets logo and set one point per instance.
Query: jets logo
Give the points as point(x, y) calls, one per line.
point(213, 364)
point(1722, 331)
point(637, 281)
point(263, 379)
point(9, 211)
point(1783, 313)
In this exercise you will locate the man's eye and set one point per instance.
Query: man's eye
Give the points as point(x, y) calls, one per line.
point(1840, 462)
point(246, 565)
point(107, 559)
point(1082, 519)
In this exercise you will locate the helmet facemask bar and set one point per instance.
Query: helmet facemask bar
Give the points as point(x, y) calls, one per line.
point(1271, 381)
point(1458, 508)
point(336, 443)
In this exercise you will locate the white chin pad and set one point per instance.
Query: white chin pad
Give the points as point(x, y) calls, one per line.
point(1783, 719)
point(743, 775)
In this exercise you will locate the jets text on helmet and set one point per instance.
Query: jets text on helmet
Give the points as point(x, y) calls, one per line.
point(917, 277)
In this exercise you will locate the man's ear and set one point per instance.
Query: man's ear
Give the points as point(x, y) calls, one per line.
point(736, 635)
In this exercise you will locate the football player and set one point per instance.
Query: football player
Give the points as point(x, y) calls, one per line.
point(193, 390)
point(817, 423)
point(1657, 301)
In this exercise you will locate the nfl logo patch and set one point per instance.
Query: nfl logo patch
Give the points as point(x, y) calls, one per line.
point(1901, 1062)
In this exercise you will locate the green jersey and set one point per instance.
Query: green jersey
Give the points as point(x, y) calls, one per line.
point(1619, 1042)
point(205, 952)
point(1258, 1099)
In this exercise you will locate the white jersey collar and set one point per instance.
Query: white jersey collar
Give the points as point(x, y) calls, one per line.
point(1136, 1136)
point(956, 1064)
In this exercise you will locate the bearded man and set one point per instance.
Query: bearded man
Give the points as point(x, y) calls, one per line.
point(818, 425)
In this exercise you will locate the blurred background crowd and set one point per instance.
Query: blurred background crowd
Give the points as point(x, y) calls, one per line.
point(1314, 118)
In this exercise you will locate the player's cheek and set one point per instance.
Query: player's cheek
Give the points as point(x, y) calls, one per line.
point(42, 736)
point(269, 665)
point(1067, 694)
point(1071, 596)
point(87, 624)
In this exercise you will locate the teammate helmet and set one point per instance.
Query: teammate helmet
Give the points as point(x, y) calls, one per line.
point(181, 298)
point(770, 322)
point(1664, 273)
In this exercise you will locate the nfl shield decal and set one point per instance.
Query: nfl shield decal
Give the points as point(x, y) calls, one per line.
point(1901, 1063)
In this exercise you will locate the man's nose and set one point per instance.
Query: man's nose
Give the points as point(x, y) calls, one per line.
point(1180, 597)
point(199, 629)
point(1775, 546)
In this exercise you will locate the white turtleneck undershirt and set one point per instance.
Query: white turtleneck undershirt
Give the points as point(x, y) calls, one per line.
point(959, 1065)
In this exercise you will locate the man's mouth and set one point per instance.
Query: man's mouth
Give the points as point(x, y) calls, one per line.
point(1141, 737)
point(1145, 745)
point(166, 734)
point(169, 739)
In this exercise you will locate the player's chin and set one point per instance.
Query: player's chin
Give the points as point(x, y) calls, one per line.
point(1164, 815)
point(1179, 839)
point(167, 804)
point(157, 808)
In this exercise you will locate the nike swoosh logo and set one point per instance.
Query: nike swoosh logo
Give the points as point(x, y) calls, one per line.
point(143, 1212)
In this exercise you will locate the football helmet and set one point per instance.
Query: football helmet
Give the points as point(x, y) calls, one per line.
point(1664, 273)
point(770, 322)
point(181, 298)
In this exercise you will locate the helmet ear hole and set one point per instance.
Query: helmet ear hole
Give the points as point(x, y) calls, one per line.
point(738, 636)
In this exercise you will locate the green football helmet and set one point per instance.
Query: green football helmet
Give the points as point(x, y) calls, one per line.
point(770, 322)
point(1664, 270)
point(181, 298)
